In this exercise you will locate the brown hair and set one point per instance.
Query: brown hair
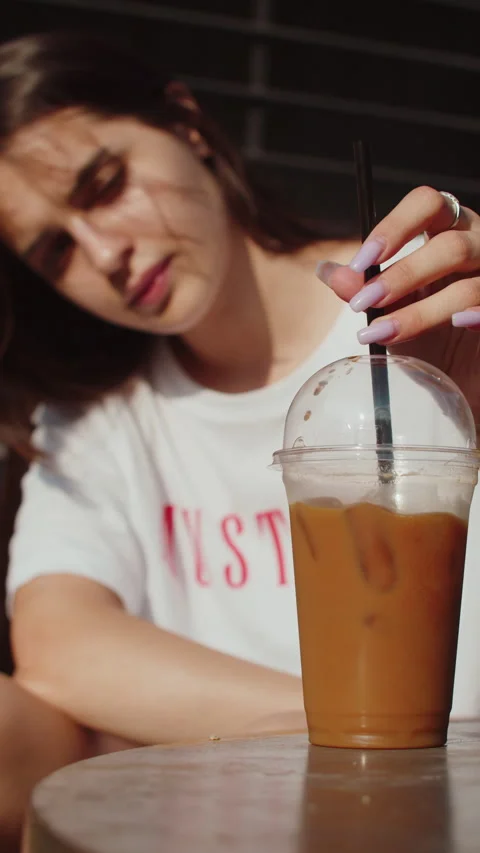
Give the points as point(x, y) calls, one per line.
point(51, 350)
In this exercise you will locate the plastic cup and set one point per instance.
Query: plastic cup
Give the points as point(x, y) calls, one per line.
point(378, 560)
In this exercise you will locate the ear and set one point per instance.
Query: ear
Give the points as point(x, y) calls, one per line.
point(179, 95)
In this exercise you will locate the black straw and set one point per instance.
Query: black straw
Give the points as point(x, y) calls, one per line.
point(380, 384)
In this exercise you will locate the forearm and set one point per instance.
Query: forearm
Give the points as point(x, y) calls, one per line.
point(113, 672)
point(130, 678)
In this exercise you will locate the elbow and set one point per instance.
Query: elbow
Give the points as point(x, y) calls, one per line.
point(42, 665)
point(56, 626)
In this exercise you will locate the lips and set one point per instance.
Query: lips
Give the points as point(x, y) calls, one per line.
point(153, 286)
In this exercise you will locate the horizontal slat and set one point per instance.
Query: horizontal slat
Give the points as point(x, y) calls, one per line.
point(266, 95)
point(271, 31)
point(235, 8)
point(387, 79)
point(331, 197)
point(388, 174)
point(407, 146)
point(465, 4)
point(430, 25)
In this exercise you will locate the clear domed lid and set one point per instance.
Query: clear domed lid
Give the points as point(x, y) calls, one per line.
point(335, 407)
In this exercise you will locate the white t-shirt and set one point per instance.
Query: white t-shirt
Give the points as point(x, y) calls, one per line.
point(166, 498)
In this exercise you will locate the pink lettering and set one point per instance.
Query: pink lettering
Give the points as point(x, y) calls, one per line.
point(239, 578)
point(169, 534)
point(195, 533)
point(273, 520)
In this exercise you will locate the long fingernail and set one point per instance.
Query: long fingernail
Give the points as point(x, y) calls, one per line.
point(325, 270)
point(466, 319)
point(369, 295)
point(383, 330)
point(367, 254)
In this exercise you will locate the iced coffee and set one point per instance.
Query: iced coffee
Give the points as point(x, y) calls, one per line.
point(379, 532)
point(378, 597)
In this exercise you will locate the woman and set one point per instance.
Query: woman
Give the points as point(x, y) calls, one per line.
point(166, 312)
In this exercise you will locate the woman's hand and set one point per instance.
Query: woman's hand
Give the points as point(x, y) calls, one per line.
point(431, 298)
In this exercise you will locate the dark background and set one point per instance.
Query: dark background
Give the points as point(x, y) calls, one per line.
point(295, 82)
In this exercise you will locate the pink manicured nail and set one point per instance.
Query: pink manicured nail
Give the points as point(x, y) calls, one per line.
point(369, 295)
point(380, 331)
point(466, 319)
point(325, 270)
point(367, 254)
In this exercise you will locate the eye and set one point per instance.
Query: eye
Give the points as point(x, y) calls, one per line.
point(108, 183)
point(56, 255)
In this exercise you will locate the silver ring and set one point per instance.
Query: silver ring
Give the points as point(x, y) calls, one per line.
point(454, 206)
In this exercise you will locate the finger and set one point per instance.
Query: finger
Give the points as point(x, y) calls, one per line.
point(342, 280)
point(447, 253)
point(423, 209)
point(419, 317)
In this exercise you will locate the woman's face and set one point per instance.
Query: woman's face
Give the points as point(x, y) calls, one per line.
point(123, 219)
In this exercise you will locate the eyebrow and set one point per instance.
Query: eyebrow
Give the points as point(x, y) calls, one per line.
point(84, 177)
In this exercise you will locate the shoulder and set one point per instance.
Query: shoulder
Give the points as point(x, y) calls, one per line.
point(108, 422)
point(57, 427)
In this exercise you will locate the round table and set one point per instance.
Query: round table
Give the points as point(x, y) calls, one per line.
point(273, 795)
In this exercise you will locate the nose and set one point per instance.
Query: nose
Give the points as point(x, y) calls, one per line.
point(106, 250)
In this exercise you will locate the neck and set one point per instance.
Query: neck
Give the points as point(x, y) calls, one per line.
point(271, 314)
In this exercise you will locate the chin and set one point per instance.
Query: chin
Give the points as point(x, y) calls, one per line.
point(182, 326)
point(181, 320)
